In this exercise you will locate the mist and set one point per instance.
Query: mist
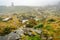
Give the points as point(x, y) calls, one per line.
point(28, 2)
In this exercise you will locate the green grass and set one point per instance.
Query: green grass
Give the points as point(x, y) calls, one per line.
point(33, 38)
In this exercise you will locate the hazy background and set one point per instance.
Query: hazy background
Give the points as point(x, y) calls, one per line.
point(28, 2)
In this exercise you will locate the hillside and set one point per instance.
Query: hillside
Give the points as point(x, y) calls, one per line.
point(30, 23)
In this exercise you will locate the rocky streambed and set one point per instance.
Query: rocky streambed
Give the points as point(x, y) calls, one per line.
point(20, 32)
point(17, 34)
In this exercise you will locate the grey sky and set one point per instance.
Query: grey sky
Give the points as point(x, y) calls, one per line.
point(28, 2)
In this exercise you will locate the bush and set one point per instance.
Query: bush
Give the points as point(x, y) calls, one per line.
point(51, 20)
point(29, 25)
point(6, 30)
point(39, 26)
point(1, 19)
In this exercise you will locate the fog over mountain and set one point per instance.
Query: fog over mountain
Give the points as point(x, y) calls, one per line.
point(47, 9)
point(28, 2)
point(4, 9)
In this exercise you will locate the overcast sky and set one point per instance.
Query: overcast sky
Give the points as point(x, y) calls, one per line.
point(28, 2)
